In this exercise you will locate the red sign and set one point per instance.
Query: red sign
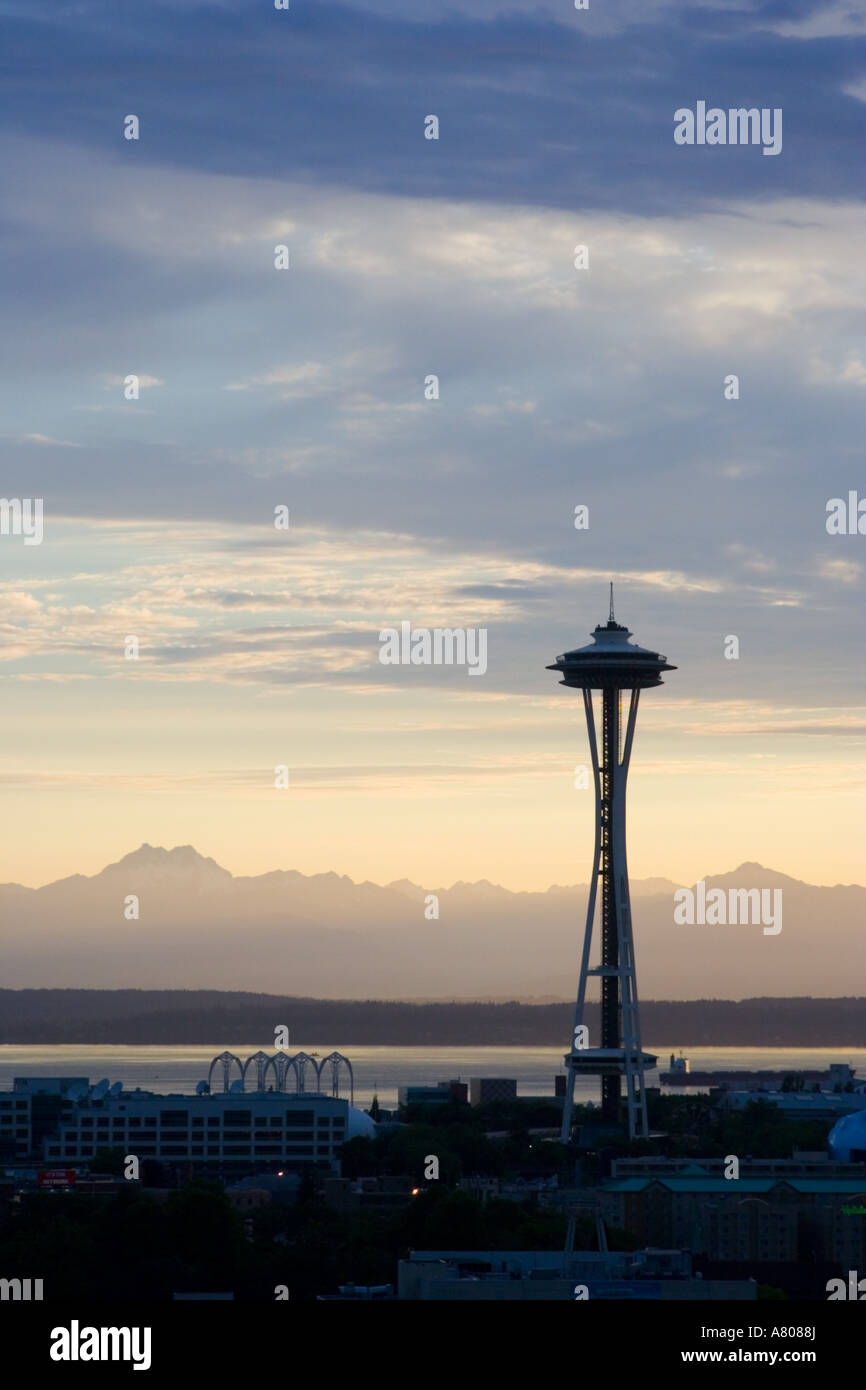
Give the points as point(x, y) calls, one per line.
point(56, 1177)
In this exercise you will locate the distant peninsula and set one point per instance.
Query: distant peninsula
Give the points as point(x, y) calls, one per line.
point(131, 1016)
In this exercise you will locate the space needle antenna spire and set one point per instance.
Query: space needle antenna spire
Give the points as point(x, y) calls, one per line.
point(612, 618)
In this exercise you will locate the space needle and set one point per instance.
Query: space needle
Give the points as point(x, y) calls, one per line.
point(610, 664)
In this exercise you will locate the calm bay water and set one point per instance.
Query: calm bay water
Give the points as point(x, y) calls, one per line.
point(381, 1070)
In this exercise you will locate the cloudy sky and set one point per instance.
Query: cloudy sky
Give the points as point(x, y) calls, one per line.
point(304, 388)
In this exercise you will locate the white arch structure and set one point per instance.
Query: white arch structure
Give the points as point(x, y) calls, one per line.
point(225, 1060)
point(281, 1064)
point(261, 1061)
point(337, 1060)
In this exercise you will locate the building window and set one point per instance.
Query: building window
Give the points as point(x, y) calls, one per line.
point(299, 1117)
point(178, 1119)
point(238, 1117)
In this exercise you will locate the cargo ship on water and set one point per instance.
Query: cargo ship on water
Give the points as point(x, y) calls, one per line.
point(837, 1074)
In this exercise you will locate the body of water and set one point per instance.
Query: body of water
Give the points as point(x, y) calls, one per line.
point(380, 1070)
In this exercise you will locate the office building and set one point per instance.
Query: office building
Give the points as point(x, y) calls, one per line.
point(483, 1089)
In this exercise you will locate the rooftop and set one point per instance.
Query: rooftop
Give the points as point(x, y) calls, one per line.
point(844, 1187)
point(611, 660)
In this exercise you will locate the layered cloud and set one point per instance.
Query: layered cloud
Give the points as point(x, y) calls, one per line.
point(311, 389)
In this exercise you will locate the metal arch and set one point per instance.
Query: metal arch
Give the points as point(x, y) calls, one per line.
point(262, 1062)
point(301, 1059)
point(282, 1064)
point(337, 1059)
point(225, 1059)
point(291, 1065)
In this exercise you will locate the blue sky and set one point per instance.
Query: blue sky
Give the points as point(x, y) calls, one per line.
point(305, 388)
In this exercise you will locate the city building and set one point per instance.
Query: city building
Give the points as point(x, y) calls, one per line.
point(483, 1089)
point(517, 1189)
point(442, 1093)
point(381, 1195)
point(799, 1105)
point(772, 1219)
point(352, 1293)
point(248, 1199)
point(552, 1275)
point(64, 1122)
point(227, 1130)
point(801, 1164)
point(32, 1111)
point(279, 1189)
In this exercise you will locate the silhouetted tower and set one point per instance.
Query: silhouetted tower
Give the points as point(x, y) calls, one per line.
point(610, 664)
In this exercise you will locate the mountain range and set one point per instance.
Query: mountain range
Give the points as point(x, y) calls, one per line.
point(200, 927)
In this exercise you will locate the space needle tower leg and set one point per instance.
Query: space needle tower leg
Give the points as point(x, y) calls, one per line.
point(576, 1034)
point(625, 981)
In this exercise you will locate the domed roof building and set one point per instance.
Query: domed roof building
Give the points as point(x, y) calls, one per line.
point(847, 1139)
point(360, 1124)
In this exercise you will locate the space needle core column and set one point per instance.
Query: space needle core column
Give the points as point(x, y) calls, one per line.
point(610, 664)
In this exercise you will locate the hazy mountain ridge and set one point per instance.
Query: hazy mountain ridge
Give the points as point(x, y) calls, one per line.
point(185, 860)
point(325, 935)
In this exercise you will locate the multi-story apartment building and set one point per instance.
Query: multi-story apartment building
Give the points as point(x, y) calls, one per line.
point(64, 1123)
point(746, 1219)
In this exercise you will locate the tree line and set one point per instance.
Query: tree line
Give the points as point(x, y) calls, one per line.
point(214, 1016)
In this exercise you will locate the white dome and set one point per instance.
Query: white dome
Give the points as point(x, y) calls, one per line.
point(360, 1124)
point(848, 1134)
